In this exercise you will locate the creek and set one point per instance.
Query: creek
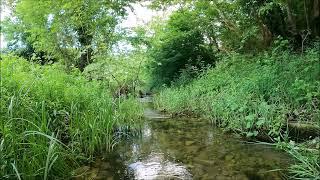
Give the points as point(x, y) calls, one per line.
point(188, 148)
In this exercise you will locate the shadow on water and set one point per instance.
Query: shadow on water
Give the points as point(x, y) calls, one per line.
point(187, 148)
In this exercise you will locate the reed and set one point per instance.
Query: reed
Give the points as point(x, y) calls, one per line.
point(53, 121)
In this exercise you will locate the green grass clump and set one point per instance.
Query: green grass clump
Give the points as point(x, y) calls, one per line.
point(251, 94)
point(307, 165)
point(255, 95)
point(51, 121)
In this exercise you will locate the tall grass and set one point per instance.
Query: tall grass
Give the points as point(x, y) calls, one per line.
point(51, 121)
point(251, 94)
point(307, 164)
point(256, 95)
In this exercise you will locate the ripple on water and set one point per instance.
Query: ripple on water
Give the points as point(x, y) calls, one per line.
point(156, 166)
point(191, 149)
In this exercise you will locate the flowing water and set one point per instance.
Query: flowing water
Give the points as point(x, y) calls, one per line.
point(187, 148)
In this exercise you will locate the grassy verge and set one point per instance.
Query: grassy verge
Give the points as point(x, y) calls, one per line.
point(307, 156)
point(254, 95)
point(51, 121)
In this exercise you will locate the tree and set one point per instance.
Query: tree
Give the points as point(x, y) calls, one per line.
point(177, 45)
point(72, 30)
point(246, 25)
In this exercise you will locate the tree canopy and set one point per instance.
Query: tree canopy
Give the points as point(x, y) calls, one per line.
point(71, 30)
point(203, 29)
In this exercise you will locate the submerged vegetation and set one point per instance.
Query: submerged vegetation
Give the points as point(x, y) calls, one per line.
point(71, 72)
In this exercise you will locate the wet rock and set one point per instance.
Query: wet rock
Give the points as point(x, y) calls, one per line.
point(104, 173)
point(199, 171)
point(192, 149)
point(213, 172)
point(97, 163)
point(204, 162)
point(105, 165)
point(99, 177)
point(93, 173)
point(202, 155)
point(188, 143)
point(221, 156)
point(81, 170)
point(229, 157)
point(225, 173)
point(206, 176)
point(222, 177)
point(240, 177)
point(190, 166)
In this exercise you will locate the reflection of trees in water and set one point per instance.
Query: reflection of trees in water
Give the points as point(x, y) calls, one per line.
point(185, 148)
point(156, 166)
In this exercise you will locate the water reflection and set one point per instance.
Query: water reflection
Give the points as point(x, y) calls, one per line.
point(156, 166)
point(191, 149)
point(146, 132)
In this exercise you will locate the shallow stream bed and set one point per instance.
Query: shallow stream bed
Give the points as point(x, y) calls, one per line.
point(187, 148)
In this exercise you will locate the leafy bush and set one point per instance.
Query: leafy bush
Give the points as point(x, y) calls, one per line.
point(51, 121)
point(178, 47)
point(306, 155)
point(252, 94)
point(255, 95)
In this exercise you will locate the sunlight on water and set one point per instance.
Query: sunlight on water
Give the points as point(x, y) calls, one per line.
point(189, 148)
point(156, 166)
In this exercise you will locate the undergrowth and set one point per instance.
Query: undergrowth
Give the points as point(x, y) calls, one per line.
point(52, 121)
point(253, 94)
point(307, 156)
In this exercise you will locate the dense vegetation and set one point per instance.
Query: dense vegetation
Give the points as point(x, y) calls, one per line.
point(252, 93)
point(55, 114)
point(200, 31)
point(68, 83)
point(255, 96)
point(254, 69)
point(51, 120)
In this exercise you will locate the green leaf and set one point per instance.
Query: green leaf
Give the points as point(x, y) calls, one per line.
point(250, 117)
point(250, 134)
point(248, 125)
point(260, 122)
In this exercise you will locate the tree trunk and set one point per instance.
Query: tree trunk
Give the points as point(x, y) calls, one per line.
point(316, 18)
point(306, 13)
point(266, 34)
point(85, 40)
point(292, 27)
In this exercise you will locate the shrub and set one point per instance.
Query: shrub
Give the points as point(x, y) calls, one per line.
point(252, 94)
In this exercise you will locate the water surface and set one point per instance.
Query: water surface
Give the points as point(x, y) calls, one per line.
point(188, 148)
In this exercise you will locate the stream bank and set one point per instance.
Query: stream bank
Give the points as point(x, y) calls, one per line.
point(186, 148)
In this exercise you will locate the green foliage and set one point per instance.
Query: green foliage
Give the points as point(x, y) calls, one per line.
point(257, 95)
point(178, 44)
point(51, 121)
point(251, 25)
point(70, 30)
point(121, 70)
point(252, 94)
point(306, 165)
